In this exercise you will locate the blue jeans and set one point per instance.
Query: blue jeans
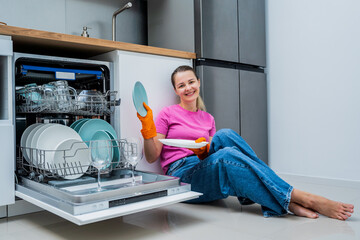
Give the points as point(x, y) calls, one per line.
point(233, 169)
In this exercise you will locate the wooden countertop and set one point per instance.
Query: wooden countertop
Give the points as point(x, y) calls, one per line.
point(59, 44)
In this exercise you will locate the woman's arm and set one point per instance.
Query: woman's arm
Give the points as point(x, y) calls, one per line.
point(153, 147)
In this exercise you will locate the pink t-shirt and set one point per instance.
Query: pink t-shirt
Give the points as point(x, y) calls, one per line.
point(177, 123)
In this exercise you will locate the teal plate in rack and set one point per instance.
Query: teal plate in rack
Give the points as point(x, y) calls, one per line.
point(116, 150)
point(139, 97)
point(73, 125)
point(80, 124)
point(90, 127)
point(103, 136)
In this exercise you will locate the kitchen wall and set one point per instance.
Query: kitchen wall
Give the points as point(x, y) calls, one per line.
point(313, 58)
point(69, 16)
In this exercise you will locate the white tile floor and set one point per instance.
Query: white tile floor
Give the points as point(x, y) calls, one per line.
point(219, 220)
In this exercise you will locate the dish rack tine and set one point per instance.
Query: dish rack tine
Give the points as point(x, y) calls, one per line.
point(60, 169)
point(75, 169)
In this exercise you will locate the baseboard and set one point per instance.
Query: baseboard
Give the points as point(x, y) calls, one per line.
point(321, 181)
point(3, 212)
point(21, 207)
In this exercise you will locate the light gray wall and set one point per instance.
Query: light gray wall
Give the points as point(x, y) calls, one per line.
point(69, 16)
point(314, 87)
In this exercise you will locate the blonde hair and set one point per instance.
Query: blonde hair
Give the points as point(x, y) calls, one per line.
point(199, 101)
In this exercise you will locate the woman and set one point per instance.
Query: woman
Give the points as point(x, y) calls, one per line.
point(227, 166)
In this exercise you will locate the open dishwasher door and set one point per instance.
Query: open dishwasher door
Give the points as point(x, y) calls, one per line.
point(73, 191)
point(122, 194)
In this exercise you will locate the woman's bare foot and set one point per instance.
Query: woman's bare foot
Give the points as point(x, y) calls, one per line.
point(332, 209)
point(301, 211)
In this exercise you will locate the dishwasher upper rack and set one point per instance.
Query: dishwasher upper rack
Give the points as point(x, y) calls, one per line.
point(37, 100)
point(37, 167)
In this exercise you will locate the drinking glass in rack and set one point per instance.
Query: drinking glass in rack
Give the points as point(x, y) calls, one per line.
point(100, 156)
point(31, 97)
point(64, 96)
point(133, 153)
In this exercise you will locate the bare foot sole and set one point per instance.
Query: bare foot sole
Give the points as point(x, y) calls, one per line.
point(301, 211)
point(324, 206)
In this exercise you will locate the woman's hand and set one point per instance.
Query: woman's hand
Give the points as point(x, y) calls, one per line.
point(202, 152)
point(152, 147)
point(148, 126)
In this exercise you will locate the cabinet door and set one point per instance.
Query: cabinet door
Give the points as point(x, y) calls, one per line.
point(7, 141)
point(253, 105)
point(220, 90)
point(252, 32)
point(219, 31)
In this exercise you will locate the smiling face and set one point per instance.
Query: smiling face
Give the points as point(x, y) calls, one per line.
point(187, 86)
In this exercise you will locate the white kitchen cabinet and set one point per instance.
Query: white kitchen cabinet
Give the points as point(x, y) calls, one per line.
point(7, 150)
point(154, 72)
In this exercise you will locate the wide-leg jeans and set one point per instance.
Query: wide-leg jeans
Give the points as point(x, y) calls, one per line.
point(233, 169)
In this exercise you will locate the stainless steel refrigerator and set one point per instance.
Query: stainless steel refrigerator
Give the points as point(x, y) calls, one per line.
point(228, 37)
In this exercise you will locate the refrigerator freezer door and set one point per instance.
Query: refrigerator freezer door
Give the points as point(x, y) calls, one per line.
point(253, 105)
point(238, 100)
point(221, 92)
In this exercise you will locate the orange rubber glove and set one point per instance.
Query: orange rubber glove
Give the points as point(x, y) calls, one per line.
point(202, 152)
point(148, 126)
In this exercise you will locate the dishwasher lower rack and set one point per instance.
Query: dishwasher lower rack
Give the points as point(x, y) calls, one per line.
point(39, 164)
point(76, 197)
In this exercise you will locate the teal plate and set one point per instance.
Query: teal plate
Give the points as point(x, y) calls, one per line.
point(116, 151)
point(73, 125)
point(139, 97)
point(90, 127)
point(103, 136)
point(80, 124)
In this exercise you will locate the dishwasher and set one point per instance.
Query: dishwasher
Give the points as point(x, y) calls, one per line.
point(68, 188)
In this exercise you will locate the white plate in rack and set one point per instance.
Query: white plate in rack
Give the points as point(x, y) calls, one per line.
point(182, 143)
point(35, 133)
point(50, 138)
point(71, 159)
point(23, 139)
